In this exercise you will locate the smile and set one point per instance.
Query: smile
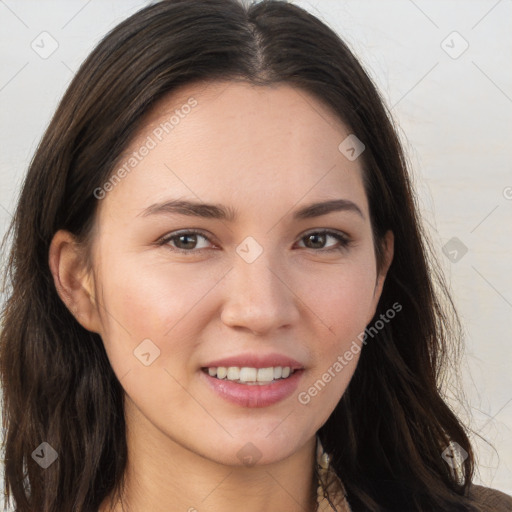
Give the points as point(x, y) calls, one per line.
point(250, 376)
point(241, 385)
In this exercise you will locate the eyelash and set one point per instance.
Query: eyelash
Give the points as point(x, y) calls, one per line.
point(344, 241)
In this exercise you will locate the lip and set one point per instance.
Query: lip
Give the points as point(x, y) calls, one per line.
point(256, 361)
point(254, 396)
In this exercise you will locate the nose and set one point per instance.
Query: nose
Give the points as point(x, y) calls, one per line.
point(260, 298)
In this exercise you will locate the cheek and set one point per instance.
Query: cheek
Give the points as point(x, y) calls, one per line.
point(160, 302)
point(342, 304)
point(152, 311)
point(341, 297)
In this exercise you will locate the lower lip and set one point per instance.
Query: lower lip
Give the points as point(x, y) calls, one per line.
point(256, 395)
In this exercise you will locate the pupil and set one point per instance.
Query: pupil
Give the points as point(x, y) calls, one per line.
point(317, 237)
point(187, 246)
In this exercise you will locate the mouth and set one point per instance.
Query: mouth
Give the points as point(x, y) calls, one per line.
point(252, 387)
point(249, 375)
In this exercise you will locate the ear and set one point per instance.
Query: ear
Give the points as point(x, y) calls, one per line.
point(388, 249)
point(74, 284)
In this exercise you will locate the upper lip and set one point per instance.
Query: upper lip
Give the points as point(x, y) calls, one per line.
point(256, 361)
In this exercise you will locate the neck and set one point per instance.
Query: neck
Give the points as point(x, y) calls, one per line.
point(164, 476)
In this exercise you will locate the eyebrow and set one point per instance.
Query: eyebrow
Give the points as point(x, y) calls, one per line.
point(216, 211)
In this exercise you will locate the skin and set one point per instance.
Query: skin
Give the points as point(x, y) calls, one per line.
point(265, 152)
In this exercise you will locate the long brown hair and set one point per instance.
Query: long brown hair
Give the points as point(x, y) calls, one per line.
point(388, 431)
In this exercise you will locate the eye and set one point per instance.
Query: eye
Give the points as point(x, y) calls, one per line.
point(318, 239)
point(184, 241)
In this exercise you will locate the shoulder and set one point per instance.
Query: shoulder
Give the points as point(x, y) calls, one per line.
point(496, 500)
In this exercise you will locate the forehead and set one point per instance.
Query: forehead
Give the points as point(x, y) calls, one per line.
point(238, 115)
point(253, 143)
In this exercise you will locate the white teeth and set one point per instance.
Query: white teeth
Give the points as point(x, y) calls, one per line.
point(233, 373)
point(248, 375)
point(265, 375)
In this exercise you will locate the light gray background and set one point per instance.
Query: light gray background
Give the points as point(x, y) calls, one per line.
point(454, 112)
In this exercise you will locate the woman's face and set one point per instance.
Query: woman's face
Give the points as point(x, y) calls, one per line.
point(258, 282)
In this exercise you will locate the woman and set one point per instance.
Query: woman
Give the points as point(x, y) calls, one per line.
point(220, 289)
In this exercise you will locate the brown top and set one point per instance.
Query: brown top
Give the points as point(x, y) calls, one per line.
point(495, 501)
